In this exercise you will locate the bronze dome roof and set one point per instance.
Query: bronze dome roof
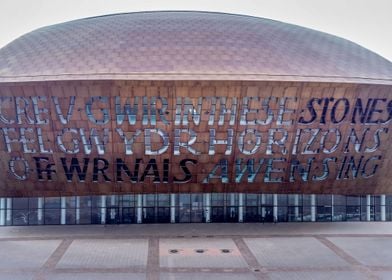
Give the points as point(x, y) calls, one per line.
point(180, 45)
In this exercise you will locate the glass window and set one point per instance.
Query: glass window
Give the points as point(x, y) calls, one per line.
point(85, 215)
point(306, 200)
point(85, 202)
point(353, 213)
point(20, 203)
point(111, 200)
point(149, 214)
point(163, 200)
point(232, 199)
point(324, 200)
point(377, 213)
point(251, 214)
point(307, 217)
point(353, 200)
point(191, 208)
point(363, 212)
point(251, 199)
point(388, 212)
point(70, 216)
point(128, 215)
point(282, 200)
point(52, 202)
point(128, 200)
point(339, 200)
point(324, 213)
point(149, 200)
point(197, 215)
point(70, 202)
point(376, 199)
point(388, 200)
point(20, 217)
point(363, 200)
point(184, 200)
point(184, 213)
point(217, 199)
point(268, 199)
point(197, 208)
point(96, 201)
point(339, 213)
point(197, 199)
point(294, 213)
point(163, 215)
point(33, 202)
point(294, 199)
point(52, 216)
point(282, 214)
point(33, 217)
point(95, 215)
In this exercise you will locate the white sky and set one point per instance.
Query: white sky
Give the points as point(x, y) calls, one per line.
point(366, 22)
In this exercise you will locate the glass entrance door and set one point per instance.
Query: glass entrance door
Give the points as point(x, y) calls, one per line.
point(252, 214)
point(128, 215)
point(232, 214)
point(217, 214)
point(112, 216)
point(149, 215)
point(269, 214)
point(163, 215)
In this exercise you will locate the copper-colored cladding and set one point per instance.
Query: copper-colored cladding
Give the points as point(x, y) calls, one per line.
point(187, 54)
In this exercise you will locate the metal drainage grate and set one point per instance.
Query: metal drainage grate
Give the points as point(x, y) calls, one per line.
point(173, 251)
point(200, 251)
point(225, 251)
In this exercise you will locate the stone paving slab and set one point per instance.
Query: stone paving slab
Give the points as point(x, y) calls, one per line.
point(16, 276)
point(317, 275)
point(108, 253)
point(211, 256)
point(121, 254)
point(384, 275)
point(207, 276)
point(376, 251)
point(173, 230)
point(96, 276)
point(293, 252)
point(26, 253)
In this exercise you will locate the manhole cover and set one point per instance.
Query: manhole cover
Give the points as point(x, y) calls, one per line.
point(173, 251)
point(200, 251)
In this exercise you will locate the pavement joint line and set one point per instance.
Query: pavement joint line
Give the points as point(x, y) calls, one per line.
point(309, 269)
point(203, 270)
point(53, 259)
point(250, 259)
point(347, 257)
point(152, 266)
point(23, 270)
point(130, 236)
point(379, 268)
point(152, 270)
point(101, 270)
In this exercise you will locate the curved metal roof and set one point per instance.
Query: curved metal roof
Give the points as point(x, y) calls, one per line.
point(181, 45)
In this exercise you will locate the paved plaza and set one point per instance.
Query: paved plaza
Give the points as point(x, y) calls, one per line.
point(198, 251)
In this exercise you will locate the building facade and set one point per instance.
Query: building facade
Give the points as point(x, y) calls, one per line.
point(192, 117)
